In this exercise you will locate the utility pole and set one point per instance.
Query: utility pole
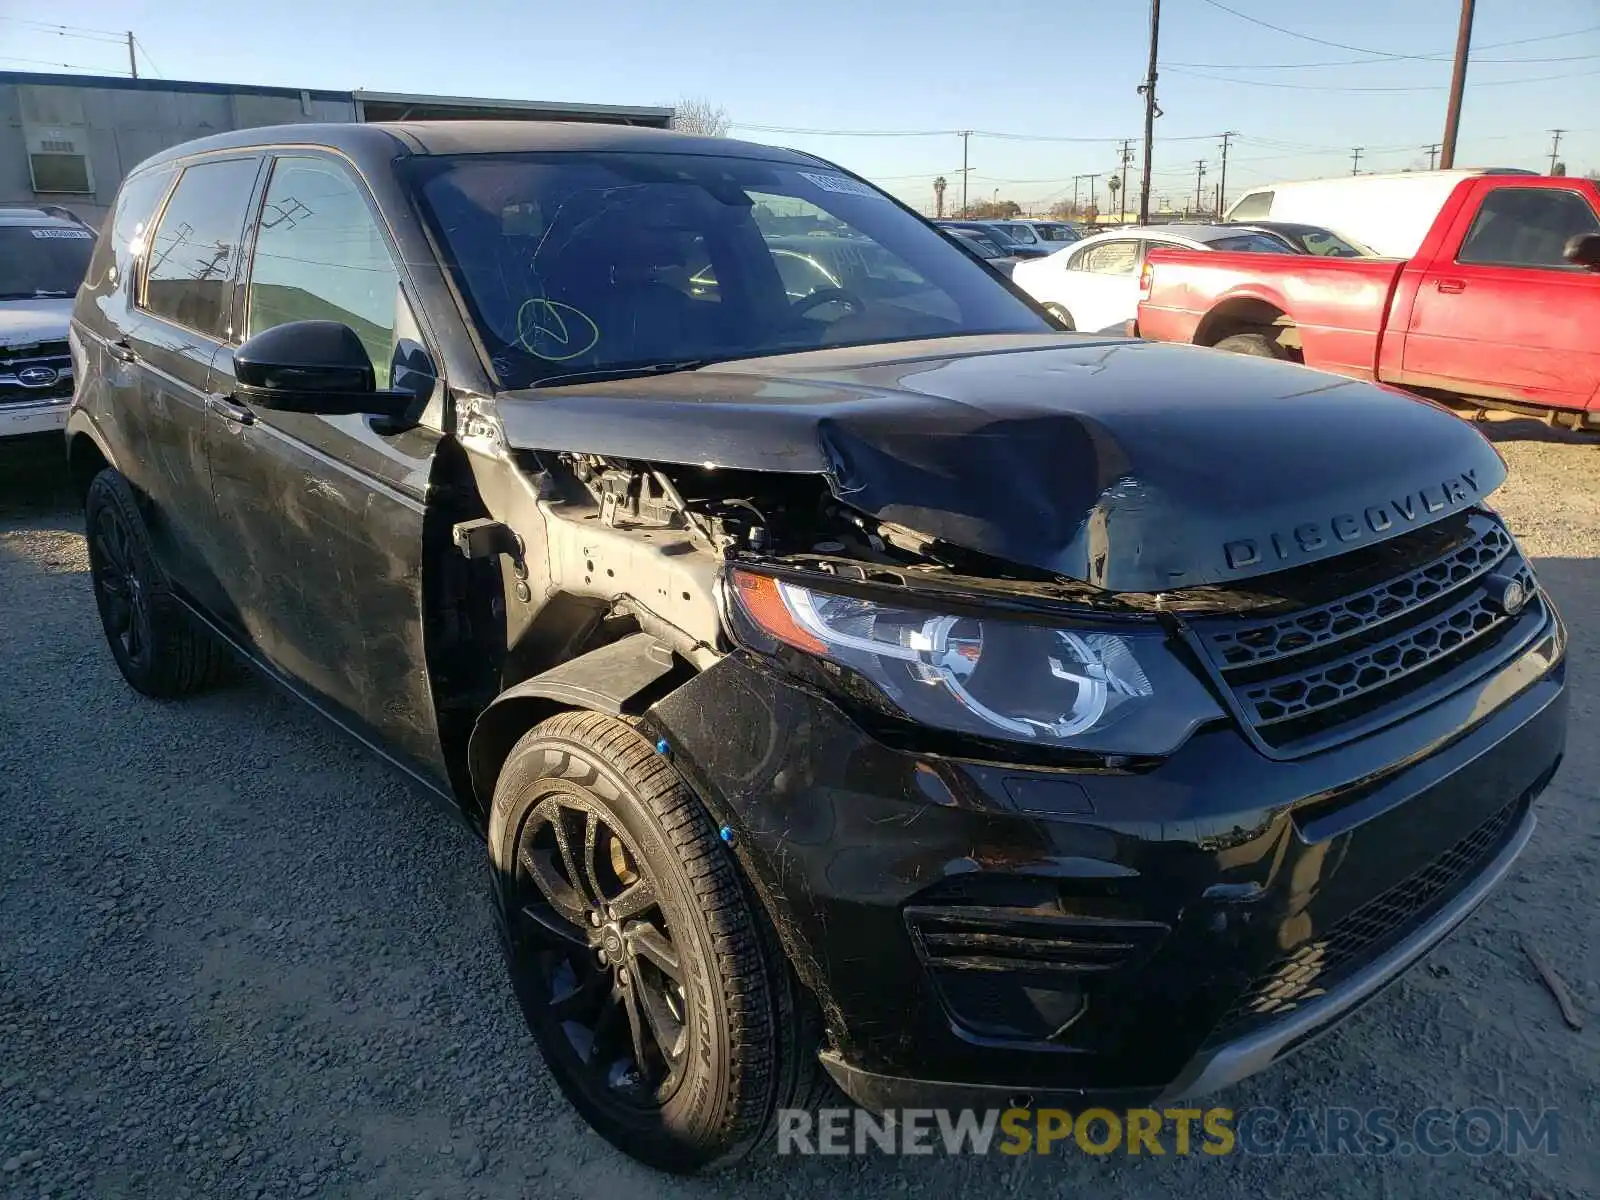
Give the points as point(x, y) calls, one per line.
point(133, 63)
point(1458, 85)
point(1222, 183)
point(1122, 192)
point(965, 134)
point(1151, 112)
point(1092, 208)
point(1555, 145)
point(1355, 160)
point(1199, 178)
point(1075, 180)
point(1433, 154)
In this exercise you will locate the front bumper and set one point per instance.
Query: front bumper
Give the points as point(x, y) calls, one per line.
point(20, 418)
point(977, 933)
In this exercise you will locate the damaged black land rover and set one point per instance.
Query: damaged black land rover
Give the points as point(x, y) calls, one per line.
point(847, 668)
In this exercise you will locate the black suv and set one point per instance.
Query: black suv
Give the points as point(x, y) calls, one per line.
point(863, 674)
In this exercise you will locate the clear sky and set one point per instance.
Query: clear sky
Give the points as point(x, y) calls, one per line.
point(1033, 69)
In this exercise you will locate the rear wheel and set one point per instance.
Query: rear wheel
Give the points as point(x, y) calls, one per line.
point(1257, 345)
point(1061, 314)
point(643, 965)
point(157, 645)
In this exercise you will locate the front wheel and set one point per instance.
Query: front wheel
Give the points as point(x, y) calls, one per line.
point(644, 970)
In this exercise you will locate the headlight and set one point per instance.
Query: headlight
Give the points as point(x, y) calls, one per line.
point(1081, 688)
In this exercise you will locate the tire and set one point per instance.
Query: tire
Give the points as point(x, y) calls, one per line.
point(691, 1069)
point(157, 645)
point(1062, 315)
point(1257, 345)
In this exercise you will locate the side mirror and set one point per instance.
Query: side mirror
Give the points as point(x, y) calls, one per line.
point(313, 367)
point(1583, 249)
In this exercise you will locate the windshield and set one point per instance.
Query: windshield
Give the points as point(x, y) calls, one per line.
point(572, 263)
point(985, 247)
point(1057, 233)
point(1331, 245)
point(41, 260)
point(1254, 243)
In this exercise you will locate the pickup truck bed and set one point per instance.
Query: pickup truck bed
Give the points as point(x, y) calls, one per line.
point(1488, 309)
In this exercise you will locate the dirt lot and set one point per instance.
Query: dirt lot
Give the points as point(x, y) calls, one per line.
point(241, 957)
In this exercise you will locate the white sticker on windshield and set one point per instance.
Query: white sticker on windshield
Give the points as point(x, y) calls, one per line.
point(61, 233)
point(838, 183)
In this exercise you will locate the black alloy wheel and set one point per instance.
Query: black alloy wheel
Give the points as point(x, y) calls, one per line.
point(603, 954)
point(124, 606)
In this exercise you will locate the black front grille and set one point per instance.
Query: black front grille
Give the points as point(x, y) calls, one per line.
point(1359, 937)
point(18, 364)
point(1304, 680)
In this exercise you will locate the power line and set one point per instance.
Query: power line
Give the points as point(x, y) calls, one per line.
point(1365, 62)
point(67, 30)
point(1313, 87)
point(1386, 54)
point(41, 62)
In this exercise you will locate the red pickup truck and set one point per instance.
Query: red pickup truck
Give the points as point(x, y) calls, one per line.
point(1501, 303)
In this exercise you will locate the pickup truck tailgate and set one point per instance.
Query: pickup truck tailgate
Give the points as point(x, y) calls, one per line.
point(1340, 305)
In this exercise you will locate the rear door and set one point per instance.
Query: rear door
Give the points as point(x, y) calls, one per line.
point(1101, 287)
point(325, 514)
point(181, 317)
point(1510, 318)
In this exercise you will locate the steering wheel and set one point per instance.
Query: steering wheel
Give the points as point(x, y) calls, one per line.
point(830, 295)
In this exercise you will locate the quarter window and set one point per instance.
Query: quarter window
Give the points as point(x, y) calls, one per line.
point(320, 257)
point(192, 254)
point(1253, 207)
point(1527, 227)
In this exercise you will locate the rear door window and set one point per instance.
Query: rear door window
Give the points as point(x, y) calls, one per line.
point(1119, 257)
point(191, 258)
point(1527, 227)
point(320, 256)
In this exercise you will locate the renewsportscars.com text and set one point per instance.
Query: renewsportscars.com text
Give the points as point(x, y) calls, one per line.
point(1431, 1132)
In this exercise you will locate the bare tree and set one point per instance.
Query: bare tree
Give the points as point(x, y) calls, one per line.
point(696, 114)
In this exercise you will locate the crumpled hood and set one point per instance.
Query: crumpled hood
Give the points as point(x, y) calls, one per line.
point(24, 322)
point(1130, 465)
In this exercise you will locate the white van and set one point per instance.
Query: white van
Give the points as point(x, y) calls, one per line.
point(1391, 213)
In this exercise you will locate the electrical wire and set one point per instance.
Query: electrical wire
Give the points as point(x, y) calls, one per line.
point(1316, 87)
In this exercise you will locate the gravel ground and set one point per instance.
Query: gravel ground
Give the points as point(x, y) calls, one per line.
point(241, 957)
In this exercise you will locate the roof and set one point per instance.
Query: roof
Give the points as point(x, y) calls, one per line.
point(388, 139)
point(122, 83)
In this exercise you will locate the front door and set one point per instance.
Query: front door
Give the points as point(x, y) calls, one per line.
point(182, 309)
point(1511, 318)
point(326, 513)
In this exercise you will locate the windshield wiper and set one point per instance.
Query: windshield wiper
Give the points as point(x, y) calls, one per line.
point(593, 373)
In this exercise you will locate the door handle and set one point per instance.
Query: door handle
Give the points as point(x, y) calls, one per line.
point(1451, 285)
point(122, 352)
point(225, 408)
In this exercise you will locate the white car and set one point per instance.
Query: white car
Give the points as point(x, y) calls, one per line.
point(44, 254)
point(1093, 285)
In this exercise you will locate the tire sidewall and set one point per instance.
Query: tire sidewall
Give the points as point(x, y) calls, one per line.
point(698, 1107)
